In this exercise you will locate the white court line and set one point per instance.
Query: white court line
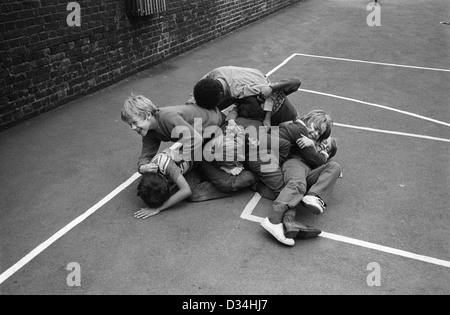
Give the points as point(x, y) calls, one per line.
point(247, 215)
point(12, 270)
point(393, 132)
point(25, 260)
point(379, 106)
point(374, 63)
point(17, 266)
point(280, 65)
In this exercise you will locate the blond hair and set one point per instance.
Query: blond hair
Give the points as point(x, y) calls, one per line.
point(138, 105)
point(228, 150)
point(319, 117)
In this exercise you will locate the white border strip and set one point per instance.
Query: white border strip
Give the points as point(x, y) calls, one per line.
point(393, 132)
point(377, 105)
point(25, 260)
point(385, 249)
point(374, 63)
point(247, 215)
point(280, 65)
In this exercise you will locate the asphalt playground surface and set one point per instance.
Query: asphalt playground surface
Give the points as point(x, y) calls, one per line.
point(389, 216)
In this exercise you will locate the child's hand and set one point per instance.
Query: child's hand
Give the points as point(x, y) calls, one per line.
point(176, 156)
point(266, 91)
point(254, 143)
point(149, 168)
point(233, 171)
point(145, 213)
point(232, 123)
point(305, 142)
point(236, 171)
point(267, 124)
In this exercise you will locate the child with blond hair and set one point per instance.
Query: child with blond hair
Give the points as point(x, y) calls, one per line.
point(306, 171)
point(161, 171)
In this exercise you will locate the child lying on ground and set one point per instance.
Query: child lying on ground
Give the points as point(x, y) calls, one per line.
point(170, 182)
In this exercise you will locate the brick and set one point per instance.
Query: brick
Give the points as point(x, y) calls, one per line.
point(46, 56)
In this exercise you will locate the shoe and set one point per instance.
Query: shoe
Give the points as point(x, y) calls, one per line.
point(277, 231)
point(313, 204)
point(295, 229)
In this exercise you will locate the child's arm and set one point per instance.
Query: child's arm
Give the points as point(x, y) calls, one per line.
point(294, 133)
point(183, 193)
point(150, 147)
point(267, 120)
point(288, 86)
point(305, 142)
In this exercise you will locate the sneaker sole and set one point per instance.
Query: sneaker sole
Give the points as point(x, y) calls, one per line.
point(312, 208)
point(302, 234)
point(274, 234)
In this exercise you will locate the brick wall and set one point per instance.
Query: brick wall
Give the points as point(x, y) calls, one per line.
point(45, 63)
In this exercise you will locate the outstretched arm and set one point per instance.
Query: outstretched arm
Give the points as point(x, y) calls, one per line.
point(183, 193)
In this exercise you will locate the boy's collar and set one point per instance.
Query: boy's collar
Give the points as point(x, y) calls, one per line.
point(300, 121)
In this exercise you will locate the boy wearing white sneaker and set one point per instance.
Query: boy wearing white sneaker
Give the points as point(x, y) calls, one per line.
point(315, 125)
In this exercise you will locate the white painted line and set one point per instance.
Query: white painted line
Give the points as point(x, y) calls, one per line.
point(375, 63)
point(393, 132)
point(247, 215)
point(385, 249)
point(280, 65)
point(379, 106)
point(16, 267)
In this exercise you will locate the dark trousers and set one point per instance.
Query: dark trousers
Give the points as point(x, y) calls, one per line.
point(202, 189)
point(251, 108)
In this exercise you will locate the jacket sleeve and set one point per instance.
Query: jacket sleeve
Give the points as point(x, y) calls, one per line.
point(150, 146)
point(311, 157)
point(293, 132)
point(181, 131)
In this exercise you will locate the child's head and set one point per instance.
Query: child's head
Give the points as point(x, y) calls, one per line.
point(228, 150)
point(139, 112)
point(330, 146)
point(208, 93)
point(319, 125)
point(154, 189)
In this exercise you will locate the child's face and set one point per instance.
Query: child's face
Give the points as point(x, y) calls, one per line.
point(314, 131)
point(325, 145)
point(142, 125)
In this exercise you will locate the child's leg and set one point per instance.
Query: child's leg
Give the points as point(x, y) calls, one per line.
point(295, 173)
point(227, 182)
point(321, 181)
point(264, 191)
point(287, 112)
point(290, 85)
point(275, 145)
point(270, 174)
point(202, 190)
point(251, 107)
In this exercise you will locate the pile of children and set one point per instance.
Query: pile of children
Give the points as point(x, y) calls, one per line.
point(261, 144)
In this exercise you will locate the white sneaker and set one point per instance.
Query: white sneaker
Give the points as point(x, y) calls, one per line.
point(314, 204)
point(277, 231)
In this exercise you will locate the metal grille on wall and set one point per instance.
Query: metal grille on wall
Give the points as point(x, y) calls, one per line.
point(144, 7)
